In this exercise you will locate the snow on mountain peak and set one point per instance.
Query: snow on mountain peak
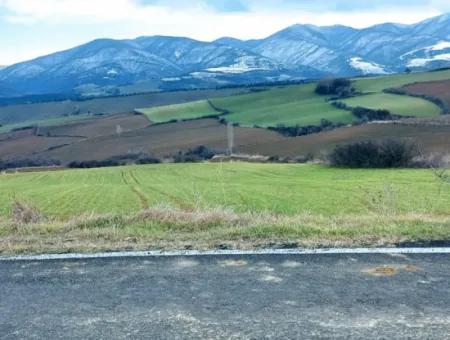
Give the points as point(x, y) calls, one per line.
point(421, 62)
point(441, 45)
point(366, 67)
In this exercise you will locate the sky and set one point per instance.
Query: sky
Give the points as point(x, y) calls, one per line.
point(31, 28)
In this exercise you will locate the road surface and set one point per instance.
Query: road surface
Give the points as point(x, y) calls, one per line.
point(365, 296)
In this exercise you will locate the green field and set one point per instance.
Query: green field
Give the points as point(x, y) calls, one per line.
point(300, 105)
point(396, 104)
point(378, 84)
point(191, 110)
point(290, 106)
point(202, 205)
point(279, 188)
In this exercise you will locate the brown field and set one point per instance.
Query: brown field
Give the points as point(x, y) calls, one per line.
point(40, 111)
point(98, 127)
point(164, 140)
point(429, 138)
point(439, 89)
point(29, 145)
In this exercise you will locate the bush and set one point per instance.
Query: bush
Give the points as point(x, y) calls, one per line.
point(119, 160)
point(198, 154)
point(297, 130)
point(373, 154)
point(340, 87)
point(16, 163)
point(25, 213)
point(366, 114)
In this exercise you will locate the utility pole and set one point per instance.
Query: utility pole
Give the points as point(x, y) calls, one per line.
point(230, 135)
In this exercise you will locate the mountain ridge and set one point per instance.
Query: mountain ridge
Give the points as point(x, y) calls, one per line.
point(300, 51)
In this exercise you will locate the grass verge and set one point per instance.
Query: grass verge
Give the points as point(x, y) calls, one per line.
point(166, 228)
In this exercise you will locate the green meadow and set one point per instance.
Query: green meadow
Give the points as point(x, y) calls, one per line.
point(173, 206)
point(300, 105)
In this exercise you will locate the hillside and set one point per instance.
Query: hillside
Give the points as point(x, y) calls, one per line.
point(300, 105)
point(195, 118)
point(111, 67)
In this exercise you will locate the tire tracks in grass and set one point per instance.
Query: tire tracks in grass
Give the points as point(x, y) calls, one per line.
point(132, 180)
point(133, 184)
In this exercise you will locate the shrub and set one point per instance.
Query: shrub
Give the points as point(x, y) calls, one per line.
point(119, 160)
point(24, 213)
point(340, 87)
point(198, 154)
point(366, 114)
point(373, 154)
point(16, 163)
point(297, 130)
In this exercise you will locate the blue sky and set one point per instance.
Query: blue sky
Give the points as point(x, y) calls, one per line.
point(30, 28)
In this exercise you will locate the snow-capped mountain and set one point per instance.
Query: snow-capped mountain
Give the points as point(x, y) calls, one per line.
point(297, 52)
point(341, 50)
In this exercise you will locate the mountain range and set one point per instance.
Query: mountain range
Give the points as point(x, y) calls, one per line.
point(108, 66)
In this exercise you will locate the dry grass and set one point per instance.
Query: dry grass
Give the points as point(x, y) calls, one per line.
point(169, 228)
point(25, 213)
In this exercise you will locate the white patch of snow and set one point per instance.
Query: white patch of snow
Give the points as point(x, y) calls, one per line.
point(367, 67)
point(201, 75)
point(441, 45)
point(242, 65)
point(419, 62)
point(112, 72)
point(171, 79)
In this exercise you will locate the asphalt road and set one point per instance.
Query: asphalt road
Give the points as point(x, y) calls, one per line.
point(228, 297)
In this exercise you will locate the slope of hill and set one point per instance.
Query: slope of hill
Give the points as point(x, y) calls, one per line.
point(101, 137)
point(300, 105)
point(107, 66)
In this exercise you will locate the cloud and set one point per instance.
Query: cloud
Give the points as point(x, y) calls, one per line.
point(203, 17)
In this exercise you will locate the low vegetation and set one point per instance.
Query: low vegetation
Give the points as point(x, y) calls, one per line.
point(207, 205)
point(376, 154)
point(339, 88)
point(122, 160)
point(297, 130)
point(15, 163)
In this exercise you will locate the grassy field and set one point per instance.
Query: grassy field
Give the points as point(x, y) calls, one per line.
point(24, 113)
point(300, 105)
point(190, 110)
point(378, 84)
point(396, 104)
point(289, 105)
point(206, 204)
